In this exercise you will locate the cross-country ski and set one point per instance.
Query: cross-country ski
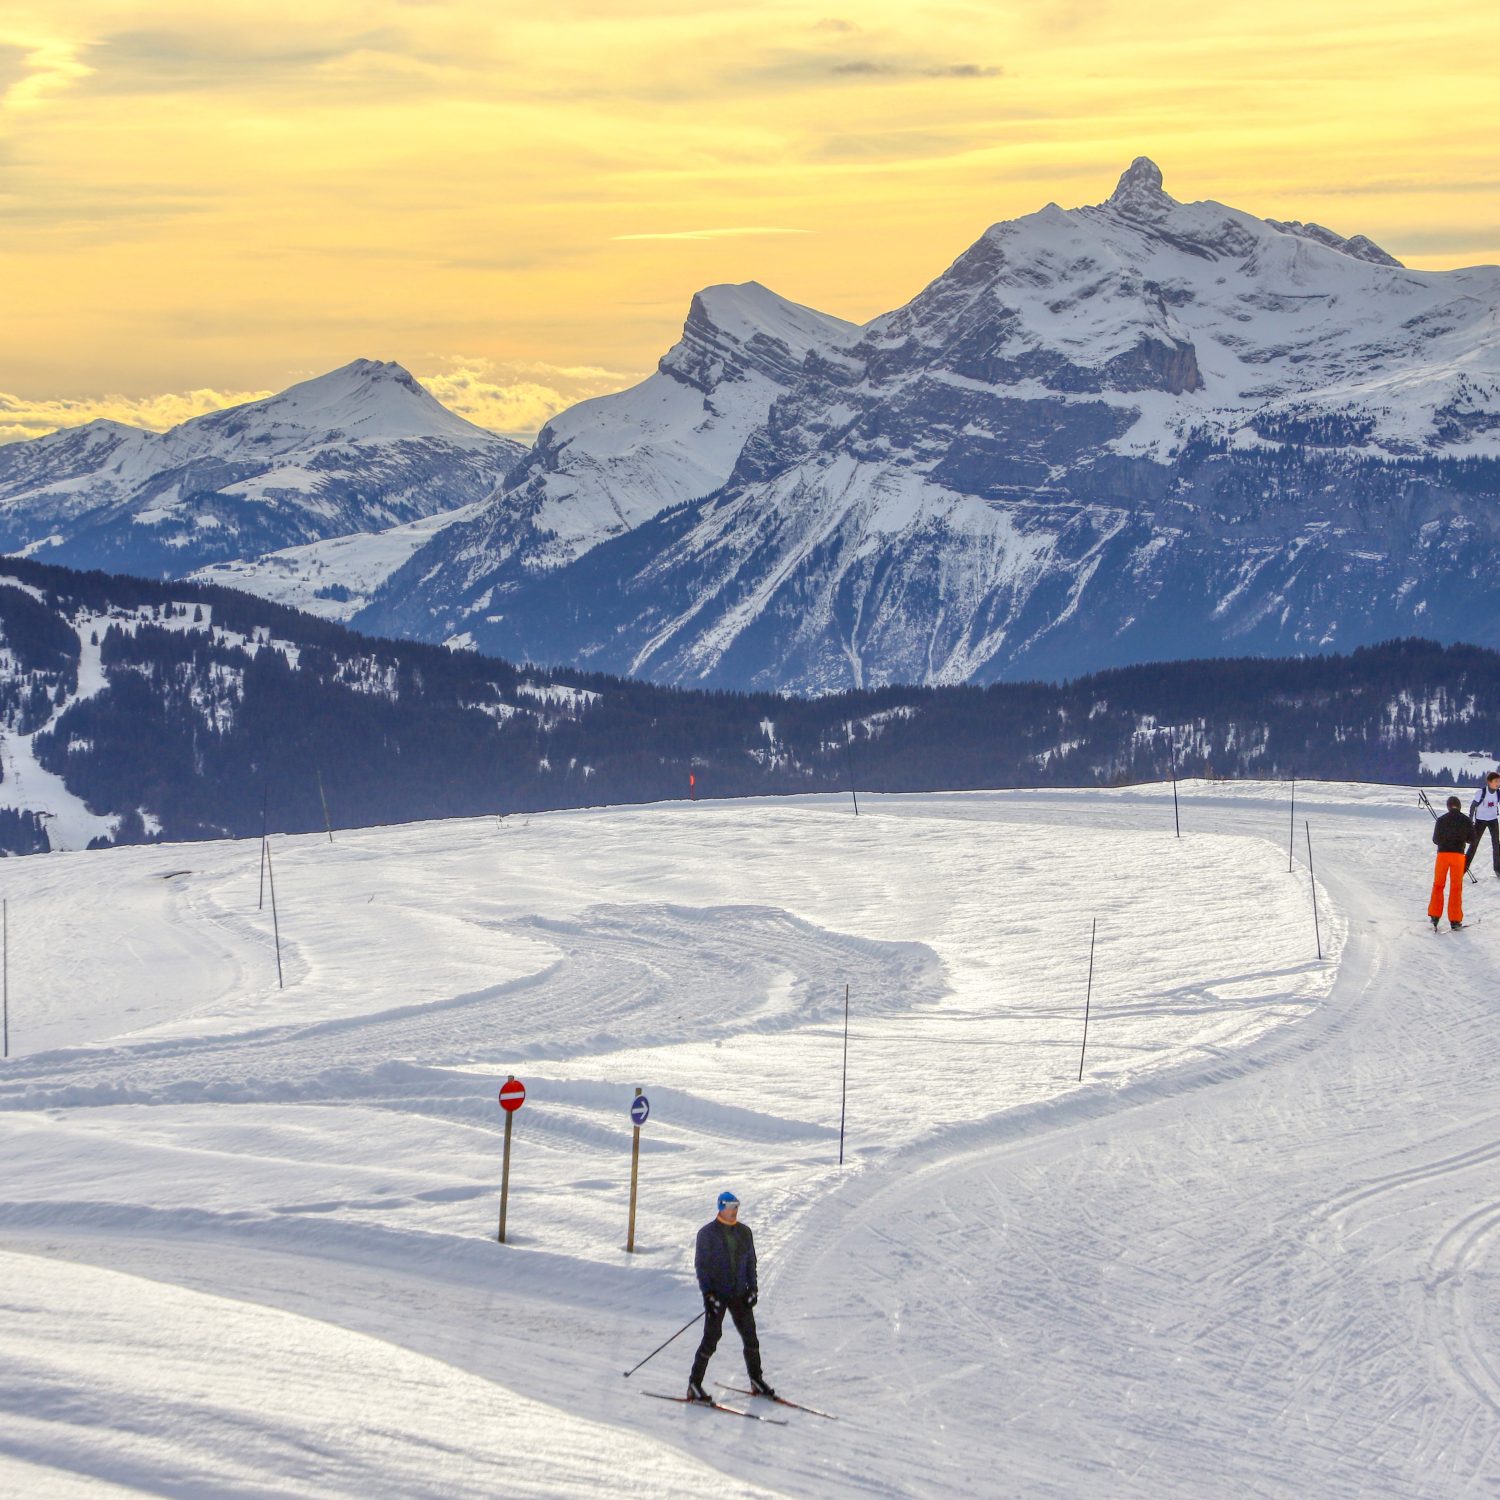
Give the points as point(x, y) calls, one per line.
point(729, 1411)
point(780, 1400)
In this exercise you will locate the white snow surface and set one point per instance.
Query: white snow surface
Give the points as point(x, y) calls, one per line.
point(358, 563)
point(247, 1234)
point(1462, 765)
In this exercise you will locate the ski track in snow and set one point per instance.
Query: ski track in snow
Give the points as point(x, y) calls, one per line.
point(1254, 1253)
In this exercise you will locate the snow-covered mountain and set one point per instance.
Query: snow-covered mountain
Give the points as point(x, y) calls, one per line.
point(1116, 433)
point(605, 466)
point(361, 449)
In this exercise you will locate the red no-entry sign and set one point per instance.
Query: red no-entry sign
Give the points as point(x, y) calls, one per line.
point(512, 1094)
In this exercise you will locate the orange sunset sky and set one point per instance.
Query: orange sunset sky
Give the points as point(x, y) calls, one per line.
point(204, 202)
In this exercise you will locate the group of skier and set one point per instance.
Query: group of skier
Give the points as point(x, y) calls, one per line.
point(1458, 836)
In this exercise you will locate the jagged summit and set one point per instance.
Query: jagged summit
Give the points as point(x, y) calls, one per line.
point(1139, 190)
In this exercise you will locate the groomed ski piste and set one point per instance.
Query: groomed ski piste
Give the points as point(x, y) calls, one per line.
point(247, 1235)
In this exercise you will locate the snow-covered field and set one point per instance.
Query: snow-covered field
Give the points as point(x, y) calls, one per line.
point(247, 1235)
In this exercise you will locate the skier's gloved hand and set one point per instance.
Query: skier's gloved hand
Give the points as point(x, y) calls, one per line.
point(712, 1304)
point(753, 1298)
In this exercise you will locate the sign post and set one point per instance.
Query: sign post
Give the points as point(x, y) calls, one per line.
point(512, 1097)
point(640, 1112)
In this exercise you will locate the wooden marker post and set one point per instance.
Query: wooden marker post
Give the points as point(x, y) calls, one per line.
point(640, 1112)
point(512, 1097)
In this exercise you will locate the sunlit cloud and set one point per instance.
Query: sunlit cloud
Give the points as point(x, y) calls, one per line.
point(519, 399)
point(516, 399)
point(706, 234)
point(21, 418)
point(45, 68)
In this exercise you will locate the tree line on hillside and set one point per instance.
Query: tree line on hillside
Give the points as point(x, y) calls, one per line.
point(194, 733)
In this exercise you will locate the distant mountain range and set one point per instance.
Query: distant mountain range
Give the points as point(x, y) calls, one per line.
point(1105, 435)
point(135, 709)
point(355, 451)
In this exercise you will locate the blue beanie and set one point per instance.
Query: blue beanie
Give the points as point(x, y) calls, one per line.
point(726, 1198)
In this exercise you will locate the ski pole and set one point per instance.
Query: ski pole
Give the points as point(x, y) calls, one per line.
point(652, 1355)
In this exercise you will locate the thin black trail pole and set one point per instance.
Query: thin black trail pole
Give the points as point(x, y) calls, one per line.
point(265, 804)
point(322, 797)
point(1312, 882)
point(652, 1355)
point(1176, 819)
point(1291, 837)
point(5, 963)
point(1088, 998)
point(849, 756)
point(275, 920)
point(844, 1089)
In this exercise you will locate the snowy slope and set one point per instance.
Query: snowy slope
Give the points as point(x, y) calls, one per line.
point(1250, 1253)
point(362, 448)
point(335, 578)
point(328, 1152)
point(1104, 435)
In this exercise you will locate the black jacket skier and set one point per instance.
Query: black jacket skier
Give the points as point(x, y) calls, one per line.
point(724, 1259)
point(1452, 832)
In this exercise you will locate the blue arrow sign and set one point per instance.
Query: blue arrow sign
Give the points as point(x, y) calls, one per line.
point(640, 1109)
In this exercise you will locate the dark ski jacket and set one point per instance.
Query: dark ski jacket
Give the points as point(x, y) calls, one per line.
point(1452, 832)
point(716, 1273)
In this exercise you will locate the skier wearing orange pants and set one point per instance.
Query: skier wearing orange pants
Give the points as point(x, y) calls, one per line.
point(1451, 833)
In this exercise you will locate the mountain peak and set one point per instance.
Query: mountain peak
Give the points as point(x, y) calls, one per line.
point(1139, 190)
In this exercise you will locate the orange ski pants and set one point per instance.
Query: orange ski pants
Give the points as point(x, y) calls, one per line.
point(1450, 867)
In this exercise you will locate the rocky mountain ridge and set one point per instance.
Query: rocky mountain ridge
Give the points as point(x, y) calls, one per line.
point(1102, 435)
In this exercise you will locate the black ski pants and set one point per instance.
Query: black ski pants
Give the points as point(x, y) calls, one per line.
point(1480, 824)
point(713, 1326)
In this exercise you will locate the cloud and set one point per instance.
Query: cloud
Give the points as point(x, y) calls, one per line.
point(794, 68)
point(38, 72)
point(706, 234)
point(154, 62)
point(518, 399)
point(1450, 239)
point(834, 23)
point(21, 417)
point(515, 398)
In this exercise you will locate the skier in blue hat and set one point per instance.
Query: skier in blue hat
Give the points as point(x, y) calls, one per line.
point(725, 1263)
